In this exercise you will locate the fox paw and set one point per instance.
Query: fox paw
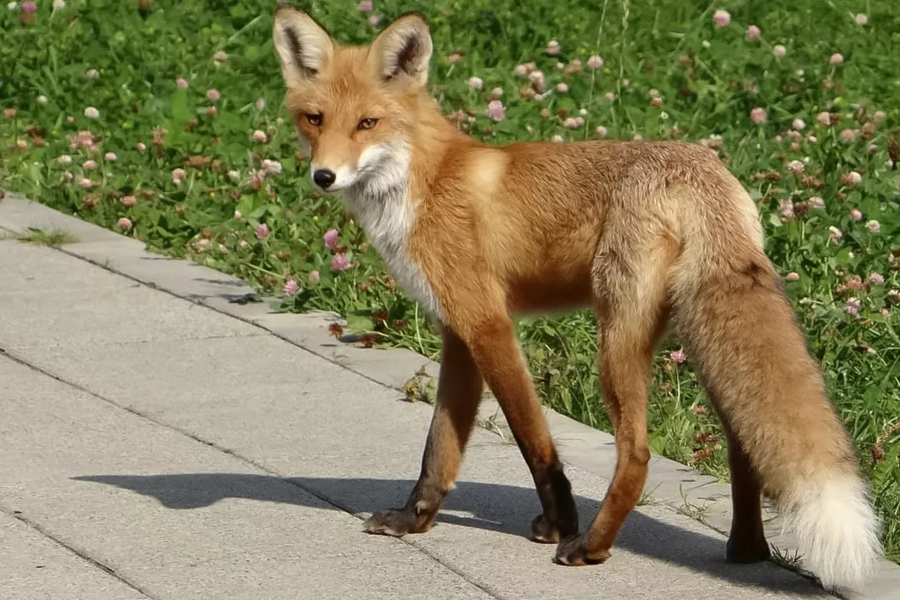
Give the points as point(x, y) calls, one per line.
point(543, 531)
point(393, 522)
point(573, 552)
point(742, 551)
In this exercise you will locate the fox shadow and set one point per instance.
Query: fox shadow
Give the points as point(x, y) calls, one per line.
point(499, 508)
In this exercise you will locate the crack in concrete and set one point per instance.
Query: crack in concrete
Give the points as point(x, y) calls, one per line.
point(35, 526)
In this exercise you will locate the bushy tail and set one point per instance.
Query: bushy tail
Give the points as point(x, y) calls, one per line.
point(835, 527)
point(751, 355)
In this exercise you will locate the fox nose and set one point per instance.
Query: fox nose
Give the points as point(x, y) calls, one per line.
point(324, 178)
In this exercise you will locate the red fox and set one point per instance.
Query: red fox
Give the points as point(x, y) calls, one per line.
point(641, 232)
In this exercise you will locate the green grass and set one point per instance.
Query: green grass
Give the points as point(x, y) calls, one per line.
point(51, 237)
point(110, 55)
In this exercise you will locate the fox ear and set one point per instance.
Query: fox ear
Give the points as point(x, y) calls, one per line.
point(304, 47)
point(404, 49)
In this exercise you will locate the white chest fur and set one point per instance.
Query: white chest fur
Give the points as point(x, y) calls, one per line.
point(382, 206)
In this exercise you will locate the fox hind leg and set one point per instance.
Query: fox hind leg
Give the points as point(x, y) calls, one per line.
point(632, 314)
point(747, 540)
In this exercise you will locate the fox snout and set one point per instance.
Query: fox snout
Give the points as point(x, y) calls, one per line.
point(334, 176)
point(324, 178)
point(385, 162)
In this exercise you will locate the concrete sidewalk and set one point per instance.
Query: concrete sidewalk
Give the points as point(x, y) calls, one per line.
point(153, 446)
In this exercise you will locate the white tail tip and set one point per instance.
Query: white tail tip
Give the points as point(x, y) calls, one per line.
point(836, 530)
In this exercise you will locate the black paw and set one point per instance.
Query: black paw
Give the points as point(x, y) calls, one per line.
point(394, 522)
point(572, 552)
point(747, 550)
point(544, 532)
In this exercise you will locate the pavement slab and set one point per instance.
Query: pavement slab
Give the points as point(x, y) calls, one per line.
point(278, 542)
point(36, 567)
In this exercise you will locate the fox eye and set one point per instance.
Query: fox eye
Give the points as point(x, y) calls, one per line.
point(314, 119)
point(367, 124)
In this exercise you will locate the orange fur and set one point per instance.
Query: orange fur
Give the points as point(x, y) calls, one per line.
point(640, 232)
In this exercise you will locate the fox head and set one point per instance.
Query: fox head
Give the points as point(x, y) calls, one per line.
point(354, 107)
